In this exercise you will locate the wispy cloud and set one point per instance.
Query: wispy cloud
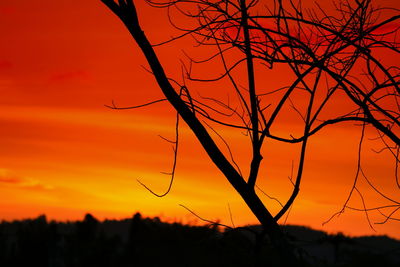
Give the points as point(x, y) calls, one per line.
point(69, 75)
point(10, 179)
point(4, 10)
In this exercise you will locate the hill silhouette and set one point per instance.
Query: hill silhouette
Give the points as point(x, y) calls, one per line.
point(140, 241)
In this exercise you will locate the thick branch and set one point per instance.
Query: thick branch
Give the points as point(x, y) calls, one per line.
point(127, 13)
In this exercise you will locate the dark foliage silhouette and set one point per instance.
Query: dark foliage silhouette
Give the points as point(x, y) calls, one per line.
point(149, 242)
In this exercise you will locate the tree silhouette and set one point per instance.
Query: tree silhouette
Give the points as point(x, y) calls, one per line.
point(331, 56)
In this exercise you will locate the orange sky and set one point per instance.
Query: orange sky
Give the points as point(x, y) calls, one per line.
point(64, 154)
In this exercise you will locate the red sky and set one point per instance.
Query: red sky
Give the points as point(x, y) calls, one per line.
point(64, 154)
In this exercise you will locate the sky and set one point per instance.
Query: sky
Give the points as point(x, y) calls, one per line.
point(63, 153)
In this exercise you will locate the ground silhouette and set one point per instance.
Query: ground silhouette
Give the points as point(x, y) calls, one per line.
point(143, 241)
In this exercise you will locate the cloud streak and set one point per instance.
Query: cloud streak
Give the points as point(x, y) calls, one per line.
point(4, 10)
point(69, 76)
point(10, 179)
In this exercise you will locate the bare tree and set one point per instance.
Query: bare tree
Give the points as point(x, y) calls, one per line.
point(329, 56)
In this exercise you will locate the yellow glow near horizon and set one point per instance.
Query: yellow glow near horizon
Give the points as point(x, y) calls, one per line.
point(64, 154)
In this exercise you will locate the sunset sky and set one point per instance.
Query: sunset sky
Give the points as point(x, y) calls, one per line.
point(63, 153)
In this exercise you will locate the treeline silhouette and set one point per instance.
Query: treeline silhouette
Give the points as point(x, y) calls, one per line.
point(149, 242)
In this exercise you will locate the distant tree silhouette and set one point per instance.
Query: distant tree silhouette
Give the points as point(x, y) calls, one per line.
point(33, 242)
point(336, 241)
point(329, 55)
point(56, 244)
point(87, 230)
